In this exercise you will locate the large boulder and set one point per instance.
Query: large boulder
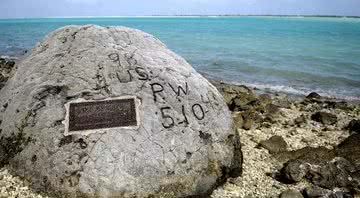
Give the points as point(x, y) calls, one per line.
point(96, 111)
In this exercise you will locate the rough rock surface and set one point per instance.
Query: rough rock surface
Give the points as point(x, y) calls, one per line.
point(6, 70)
point(275, 144)
point(354, 126)
point(185, 144)
point(291, 194)
point(324, 118)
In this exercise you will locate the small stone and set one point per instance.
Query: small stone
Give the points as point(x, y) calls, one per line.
point(354, 126)
point(324, 117)
point(275, 144)
point(291, 194)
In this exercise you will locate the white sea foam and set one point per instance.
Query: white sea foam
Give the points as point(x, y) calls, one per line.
point(295, 91)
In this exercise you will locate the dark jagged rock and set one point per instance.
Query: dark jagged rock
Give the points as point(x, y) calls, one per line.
point(275, 144)
point(336, 173)
point(312, 155)
point(294, 171)
point(6, 70)
point(354, 126)
point(324, 117)
point(329, 169)
point(350, 149)
point(313, 95)
point(291, 194)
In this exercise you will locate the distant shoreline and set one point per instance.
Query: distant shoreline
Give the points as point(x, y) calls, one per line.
point(179, 16)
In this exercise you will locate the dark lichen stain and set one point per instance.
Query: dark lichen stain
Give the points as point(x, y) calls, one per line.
point(171, 173)
point(65, 140)
point(82, 143)
point(188, 155)
point(57, 123)
point(206, 137)
point(34, 158)
point(12, 145)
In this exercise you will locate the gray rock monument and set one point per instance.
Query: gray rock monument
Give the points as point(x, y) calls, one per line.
point(104, 112)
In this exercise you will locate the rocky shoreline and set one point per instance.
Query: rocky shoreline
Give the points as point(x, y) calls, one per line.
point(292, 148)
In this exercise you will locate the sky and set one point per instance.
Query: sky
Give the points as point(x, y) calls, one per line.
point(67, 8)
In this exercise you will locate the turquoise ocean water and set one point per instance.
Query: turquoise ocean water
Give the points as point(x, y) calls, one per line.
point(290, 54)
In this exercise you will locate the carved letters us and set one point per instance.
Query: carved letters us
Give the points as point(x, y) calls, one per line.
point(157, 88)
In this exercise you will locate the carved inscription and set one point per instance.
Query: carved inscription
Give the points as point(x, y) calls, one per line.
point(102, 114)
point(134, 71)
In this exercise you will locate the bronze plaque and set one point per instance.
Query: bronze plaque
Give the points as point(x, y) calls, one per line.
point(102, 114)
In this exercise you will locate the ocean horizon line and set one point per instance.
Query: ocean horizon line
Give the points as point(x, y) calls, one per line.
point(183, 16)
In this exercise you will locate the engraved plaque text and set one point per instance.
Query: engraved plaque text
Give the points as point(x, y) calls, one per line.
point(102, 114)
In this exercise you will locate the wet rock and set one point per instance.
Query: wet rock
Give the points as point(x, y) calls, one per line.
point(275, 144)
point(294, 171)
point(178, 140)
point(291, 194)
point(354, 126)
point(324, 117)
point(313, 95)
